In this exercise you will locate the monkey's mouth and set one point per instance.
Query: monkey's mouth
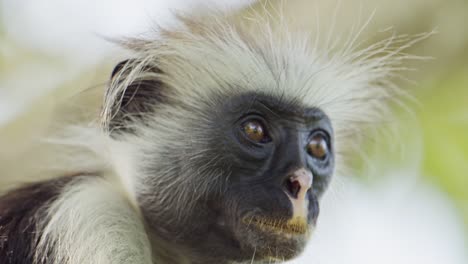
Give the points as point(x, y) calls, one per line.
point(270, 238)
point(287, 237)
point(285, 227)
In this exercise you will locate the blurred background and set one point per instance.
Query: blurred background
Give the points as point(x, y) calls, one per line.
point(405, 202)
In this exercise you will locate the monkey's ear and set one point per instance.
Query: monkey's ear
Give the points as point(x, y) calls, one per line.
point(123, 106)
point(120, 66)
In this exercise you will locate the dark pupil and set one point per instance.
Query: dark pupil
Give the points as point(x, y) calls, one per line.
point(318, 147)
point(254, 130)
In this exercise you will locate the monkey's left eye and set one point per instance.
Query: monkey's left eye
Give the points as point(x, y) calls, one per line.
point(317, 146)
point(255, 131)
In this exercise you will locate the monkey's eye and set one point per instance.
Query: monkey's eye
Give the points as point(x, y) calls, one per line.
point(317, 147)
point(255, 131)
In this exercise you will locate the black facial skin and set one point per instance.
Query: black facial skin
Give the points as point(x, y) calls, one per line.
point(221, 228)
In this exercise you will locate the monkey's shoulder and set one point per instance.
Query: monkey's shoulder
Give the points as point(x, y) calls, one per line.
point(21, 211)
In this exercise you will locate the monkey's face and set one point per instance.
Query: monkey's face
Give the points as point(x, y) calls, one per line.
point(246, 182)
point(278, 159)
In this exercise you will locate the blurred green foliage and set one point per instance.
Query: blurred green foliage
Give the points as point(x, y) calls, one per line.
point(444, 120)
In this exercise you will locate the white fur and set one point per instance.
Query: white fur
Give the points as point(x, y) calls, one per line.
point(92, 222)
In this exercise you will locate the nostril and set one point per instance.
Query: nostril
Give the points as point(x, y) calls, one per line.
point(298, 184)
point(293, 187)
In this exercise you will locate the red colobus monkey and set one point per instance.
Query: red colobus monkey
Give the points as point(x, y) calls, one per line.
point(227, 134)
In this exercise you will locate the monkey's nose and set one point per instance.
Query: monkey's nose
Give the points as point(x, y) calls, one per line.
point(297, 185)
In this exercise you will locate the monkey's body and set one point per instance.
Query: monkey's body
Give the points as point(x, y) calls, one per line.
point(20, 211)
point(116, 236)
point(226, 137)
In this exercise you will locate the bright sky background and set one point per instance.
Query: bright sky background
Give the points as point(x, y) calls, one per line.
point(72, 28)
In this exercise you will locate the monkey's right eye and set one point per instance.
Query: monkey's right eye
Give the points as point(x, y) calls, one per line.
point(255, 131)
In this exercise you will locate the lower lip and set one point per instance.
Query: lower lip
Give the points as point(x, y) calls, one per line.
point(288, 230)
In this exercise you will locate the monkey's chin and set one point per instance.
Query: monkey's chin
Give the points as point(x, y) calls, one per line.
point(276, 240)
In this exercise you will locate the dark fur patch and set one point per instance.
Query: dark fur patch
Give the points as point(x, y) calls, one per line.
point(139, 98)
point(20, 211)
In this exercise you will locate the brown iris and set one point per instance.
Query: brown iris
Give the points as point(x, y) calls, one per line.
point(255, 131)
point(318, 146)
